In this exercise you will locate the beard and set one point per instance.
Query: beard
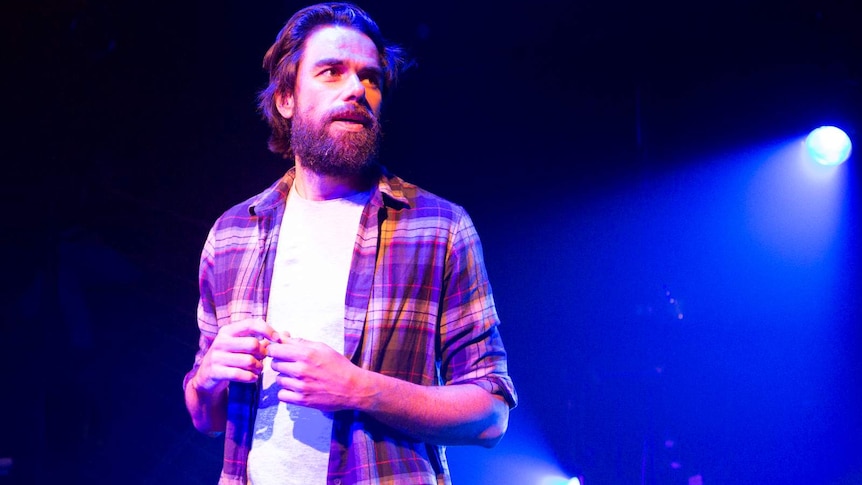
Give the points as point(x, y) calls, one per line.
point(343, 154)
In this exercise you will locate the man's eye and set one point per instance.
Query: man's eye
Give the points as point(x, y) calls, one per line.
point(330, 73)
point(372, 80)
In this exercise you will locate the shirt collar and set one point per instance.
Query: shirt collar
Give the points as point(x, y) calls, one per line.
point(389, 193)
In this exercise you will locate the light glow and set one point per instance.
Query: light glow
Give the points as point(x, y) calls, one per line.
point(557, 480)
point(828, 145)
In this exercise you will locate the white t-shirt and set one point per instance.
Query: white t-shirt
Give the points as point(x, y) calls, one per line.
point(309, 283)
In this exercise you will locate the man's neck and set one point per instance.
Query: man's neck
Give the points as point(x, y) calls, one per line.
point(314, 186)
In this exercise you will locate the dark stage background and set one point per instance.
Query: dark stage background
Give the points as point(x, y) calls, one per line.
point(623, 163)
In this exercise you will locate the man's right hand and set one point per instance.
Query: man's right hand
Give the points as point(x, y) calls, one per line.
point(236, 354)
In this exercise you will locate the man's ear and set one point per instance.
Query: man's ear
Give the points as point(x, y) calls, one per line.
point(284, 105)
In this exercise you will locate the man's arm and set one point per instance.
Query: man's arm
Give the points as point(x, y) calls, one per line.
point(312, 374)
point(459, 414)
point(236, 354)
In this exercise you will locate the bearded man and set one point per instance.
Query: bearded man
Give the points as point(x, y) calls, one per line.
point(348, 331)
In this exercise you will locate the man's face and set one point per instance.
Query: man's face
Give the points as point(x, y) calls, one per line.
point(336, 102)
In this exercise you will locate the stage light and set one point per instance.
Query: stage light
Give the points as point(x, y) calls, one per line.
point(557, 480)
point(828, 145)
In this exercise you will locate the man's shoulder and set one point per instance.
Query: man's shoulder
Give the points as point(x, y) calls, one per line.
point(416, 198)
point(236, 216)
point(247, 211)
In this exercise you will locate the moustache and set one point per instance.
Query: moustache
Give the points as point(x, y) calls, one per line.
point(353, 113)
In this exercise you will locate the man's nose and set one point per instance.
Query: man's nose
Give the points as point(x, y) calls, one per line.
point(354, 89)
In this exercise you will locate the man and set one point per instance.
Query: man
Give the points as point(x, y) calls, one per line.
point(348, 331)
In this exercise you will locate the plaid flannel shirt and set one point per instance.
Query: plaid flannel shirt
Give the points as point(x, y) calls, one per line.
point(418, 307)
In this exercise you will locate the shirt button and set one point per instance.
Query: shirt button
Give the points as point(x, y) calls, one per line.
point(337, 481)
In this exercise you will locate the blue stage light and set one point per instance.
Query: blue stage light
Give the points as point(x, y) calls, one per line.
point(557, 480)
point(828, 145)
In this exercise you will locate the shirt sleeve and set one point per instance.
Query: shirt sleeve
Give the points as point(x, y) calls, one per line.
point(206, 314)
point(471, 347)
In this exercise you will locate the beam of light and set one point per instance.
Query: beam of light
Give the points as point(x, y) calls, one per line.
point(796, 207)
point(828, 145)
point(523, 457)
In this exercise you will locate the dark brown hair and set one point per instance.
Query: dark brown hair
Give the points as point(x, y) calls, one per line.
point(282, 60)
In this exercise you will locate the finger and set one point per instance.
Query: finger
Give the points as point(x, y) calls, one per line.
point(263, 330)
point(290, 350)
point(238, 375)
point(289, 383)
point(288, 367)
point(244, 362)
point(251, 327)
point(242, 345)
point(291, 397)
point(221, 371)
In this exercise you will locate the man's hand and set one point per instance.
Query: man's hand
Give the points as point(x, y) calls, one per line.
point(313, 374)
point(236, 354)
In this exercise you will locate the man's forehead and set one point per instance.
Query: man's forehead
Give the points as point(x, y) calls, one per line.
point(341, 43)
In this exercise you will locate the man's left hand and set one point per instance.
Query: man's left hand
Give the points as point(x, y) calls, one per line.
point(313, 374)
